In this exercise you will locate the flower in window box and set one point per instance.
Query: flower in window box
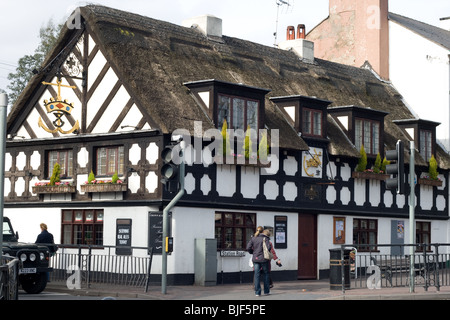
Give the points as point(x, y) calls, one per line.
point(114, 180)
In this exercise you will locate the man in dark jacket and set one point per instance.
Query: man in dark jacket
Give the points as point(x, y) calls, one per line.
point(46, 237)
point(255, 246)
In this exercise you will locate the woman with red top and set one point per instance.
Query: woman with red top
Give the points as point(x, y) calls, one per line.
point(277, 260)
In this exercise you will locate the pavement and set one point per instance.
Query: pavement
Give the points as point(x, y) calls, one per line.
point(286, 291)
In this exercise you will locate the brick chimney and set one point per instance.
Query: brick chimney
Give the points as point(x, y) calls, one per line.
point(297, 43)
point(355, 31)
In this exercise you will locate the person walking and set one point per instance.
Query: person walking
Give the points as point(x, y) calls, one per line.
point(275, 257)
point(256, 247)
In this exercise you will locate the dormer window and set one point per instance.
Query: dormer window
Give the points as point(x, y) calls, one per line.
point(367, 134)
point(312, 122)
point(426, 146)
point(240, 113)
point(307, 115)
point(363, 126)
point(423, 132)
point(240, 105)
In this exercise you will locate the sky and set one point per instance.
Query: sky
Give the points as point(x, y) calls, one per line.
point(253, 20)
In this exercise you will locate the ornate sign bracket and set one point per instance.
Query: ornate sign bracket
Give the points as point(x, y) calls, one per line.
point(59, 108)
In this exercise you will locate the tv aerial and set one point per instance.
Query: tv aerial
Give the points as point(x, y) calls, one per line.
point(280, 4)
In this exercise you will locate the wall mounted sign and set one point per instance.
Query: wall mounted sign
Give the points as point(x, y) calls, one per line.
point(338, 230)
point(123, 237)
point(311, 192)
point(155, 231)
point(280, 232)
point(312, 163)
point(59, 108)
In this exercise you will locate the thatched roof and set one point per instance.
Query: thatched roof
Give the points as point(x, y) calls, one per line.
point(154, 58)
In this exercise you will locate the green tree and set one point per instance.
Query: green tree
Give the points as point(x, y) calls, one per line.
point(48, 36)
point(115, 177)
point(55, 174)
point(432, 170)
point(377, 165)
point(362, 163)
point(91, 177)
point(247, 147)
point(384, 164)
point(226, 147)
point(263, 148)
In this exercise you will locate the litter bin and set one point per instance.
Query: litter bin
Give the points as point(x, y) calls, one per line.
point(336, 271)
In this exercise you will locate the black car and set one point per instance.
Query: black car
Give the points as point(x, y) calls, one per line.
point(33, 274)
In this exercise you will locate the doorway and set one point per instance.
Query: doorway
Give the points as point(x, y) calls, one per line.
point(307, 246)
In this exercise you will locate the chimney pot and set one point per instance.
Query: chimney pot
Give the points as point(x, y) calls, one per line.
point(290, 34)
point(301, 31)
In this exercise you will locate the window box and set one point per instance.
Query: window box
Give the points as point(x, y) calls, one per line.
point(240, 161)
point(54, 189)
point(104, 187)
point(430, 182)
point(369, 175)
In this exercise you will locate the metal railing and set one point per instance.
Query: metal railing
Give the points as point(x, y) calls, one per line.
point(389, 265)
point(82, 266)
point(9, 278)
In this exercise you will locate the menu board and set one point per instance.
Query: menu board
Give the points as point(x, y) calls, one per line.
point(155, 231)
point(123, 237)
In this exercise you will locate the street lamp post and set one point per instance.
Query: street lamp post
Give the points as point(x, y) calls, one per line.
point(3, 107)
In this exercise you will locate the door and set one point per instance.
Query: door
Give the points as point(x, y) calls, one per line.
point(307, 246)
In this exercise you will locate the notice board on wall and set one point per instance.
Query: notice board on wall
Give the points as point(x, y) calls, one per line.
point(123, 237)
point(155, 231)
point(280, 232)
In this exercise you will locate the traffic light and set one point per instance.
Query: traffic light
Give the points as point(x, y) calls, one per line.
point(397, 170)
point(169, 170)
point(169, 244)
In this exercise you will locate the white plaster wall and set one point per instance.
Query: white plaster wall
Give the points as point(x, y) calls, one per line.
point(226, 173)
point(249, 182)
point(189, 224)
point(419, 70)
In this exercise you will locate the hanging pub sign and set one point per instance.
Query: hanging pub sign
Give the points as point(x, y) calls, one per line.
point(312, 163)
point(60, 108)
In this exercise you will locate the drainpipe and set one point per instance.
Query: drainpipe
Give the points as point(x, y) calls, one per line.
point(3, 107)
point(412, 223)
point(166, 220)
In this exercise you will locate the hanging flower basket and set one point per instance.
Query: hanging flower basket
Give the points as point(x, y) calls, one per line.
point(430, 182)
point(104, 187)
point(45, 187)
point(369, 175)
